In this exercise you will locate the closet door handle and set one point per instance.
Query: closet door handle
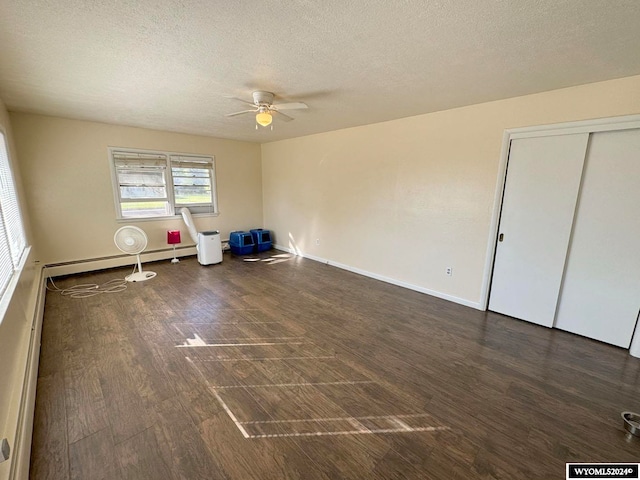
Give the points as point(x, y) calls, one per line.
point(501, 237)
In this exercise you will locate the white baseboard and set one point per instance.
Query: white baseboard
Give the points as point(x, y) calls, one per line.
point(91, 264)
point(385, 279)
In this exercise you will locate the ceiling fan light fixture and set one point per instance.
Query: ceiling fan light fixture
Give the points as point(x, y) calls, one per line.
point(264, 118)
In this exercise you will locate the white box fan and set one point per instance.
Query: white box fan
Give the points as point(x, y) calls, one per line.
point(133, 240)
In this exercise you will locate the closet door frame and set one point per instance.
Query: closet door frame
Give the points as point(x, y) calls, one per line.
point(625, 122)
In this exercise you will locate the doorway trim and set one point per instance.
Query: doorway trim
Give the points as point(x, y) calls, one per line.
point(625, 122)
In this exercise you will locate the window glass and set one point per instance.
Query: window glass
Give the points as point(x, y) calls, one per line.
point(192, 186)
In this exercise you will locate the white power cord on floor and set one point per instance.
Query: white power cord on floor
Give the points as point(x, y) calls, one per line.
point(89, 289)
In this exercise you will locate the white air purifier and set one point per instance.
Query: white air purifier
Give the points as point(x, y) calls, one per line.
point(208, 244)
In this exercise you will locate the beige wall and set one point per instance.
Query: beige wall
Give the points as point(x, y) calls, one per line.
point(69, 190)
point(15, 325)
point(405, 199)
point(402, 200)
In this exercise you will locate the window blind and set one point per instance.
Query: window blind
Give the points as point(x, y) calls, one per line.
point(6, 265)
point(12, 237)
point(142, 186)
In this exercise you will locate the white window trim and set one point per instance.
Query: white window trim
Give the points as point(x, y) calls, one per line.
point(169, 183)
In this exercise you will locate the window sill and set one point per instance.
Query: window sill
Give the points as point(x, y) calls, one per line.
point(160, 219)
point(7, 296)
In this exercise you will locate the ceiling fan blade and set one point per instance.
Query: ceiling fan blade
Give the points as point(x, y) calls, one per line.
point(240, 100)
point(240, 113)
point(282, 116)
point(289, 106)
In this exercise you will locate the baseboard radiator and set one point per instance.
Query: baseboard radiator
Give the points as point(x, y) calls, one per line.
point(102, 263)
point(21, 454)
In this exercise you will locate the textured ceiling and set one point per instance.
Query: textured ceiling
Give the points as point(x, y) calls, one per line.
point(168, 65)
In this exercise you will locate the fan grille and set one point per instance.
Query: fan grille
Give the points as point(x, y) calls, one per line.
point(130, 239)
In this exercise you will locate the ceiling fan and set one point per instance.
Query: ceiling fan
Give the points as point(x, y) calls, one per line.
point(265, 109)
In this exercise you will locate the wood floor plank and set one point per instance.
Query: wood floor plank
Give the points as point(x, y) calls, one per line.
point(86, 410)
point(248, 373)
point(294, 403)
point(94, 457)
point(52, 347)
point(50, 438)
point(102, 319)
point(126, 410)
point(268, 459)
point(327, 370)
point(249, 370)
point(367, 399)
point(346, 457)
point(147, 370)
point(141, 458)
point(182, 447)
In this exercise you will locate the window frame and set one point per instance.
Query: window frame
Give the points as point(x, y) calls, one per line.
point(173, 208)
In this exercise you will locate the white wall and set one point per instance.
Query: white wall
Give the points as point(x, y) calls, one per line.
point(69, 191)
point(405, 199)
point(15, 328)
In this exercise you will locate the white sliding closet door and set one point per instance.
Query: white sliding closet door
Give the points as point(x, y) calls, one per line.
point(600, 296)
point(543, 179)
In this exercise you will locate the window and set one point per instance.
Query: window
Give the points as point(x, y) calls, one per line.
point(158, 184)
point(12, 238)
point(192, 183)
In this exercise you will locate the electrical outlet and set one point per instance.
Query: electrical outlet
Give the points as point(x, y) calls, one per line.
point(317, 241)
point(449, 271)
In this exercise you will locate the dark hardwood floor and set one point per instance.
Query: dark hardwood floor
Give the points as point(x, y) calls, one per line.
point(300, 370)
